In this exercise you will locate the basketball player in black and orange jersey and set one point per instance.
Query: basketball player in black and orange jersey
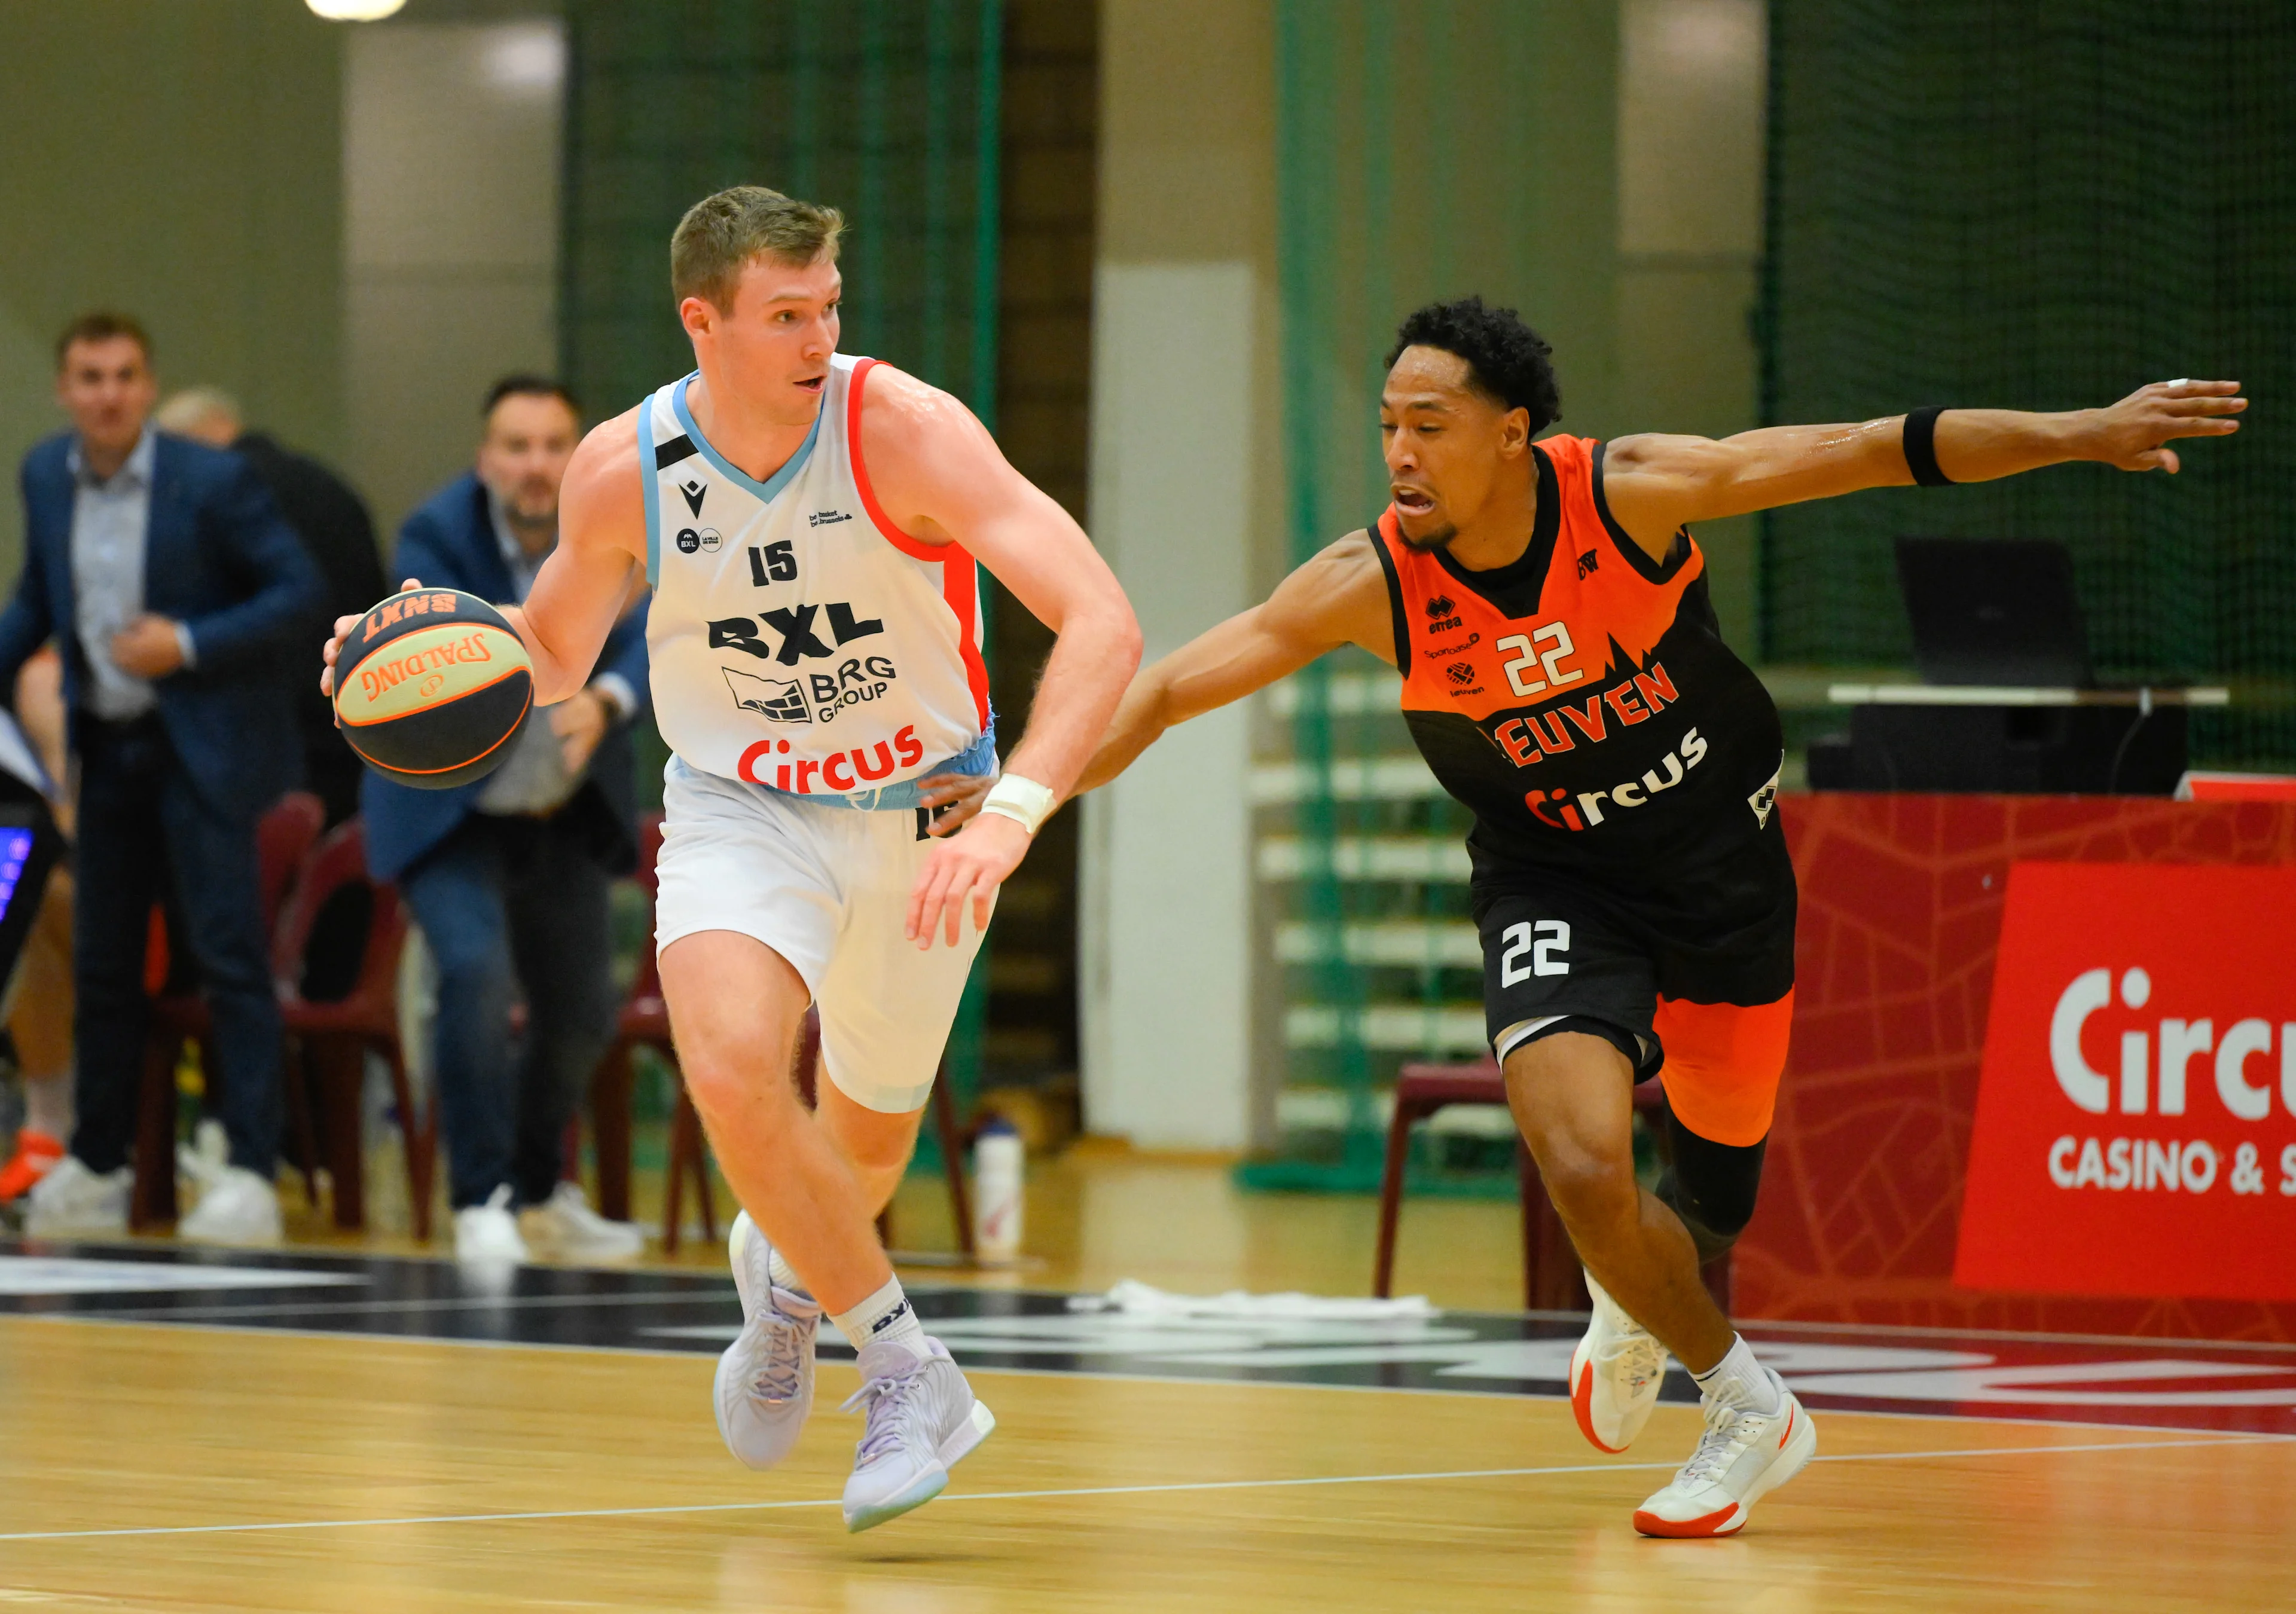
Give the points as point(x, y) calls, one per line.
point(1565, 677)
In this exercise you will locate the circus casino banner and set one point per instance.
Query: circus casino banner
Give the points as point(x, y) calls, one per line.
point(2136, 1127)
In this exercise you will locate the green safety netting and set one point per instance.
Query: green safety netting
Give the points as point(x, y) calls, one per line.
point(1422, 152)
point(885, 109)
point(2042, 206)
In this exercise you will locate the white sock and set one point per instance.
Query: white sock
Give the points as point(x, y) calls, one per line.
point(1738, 1378)
point(785, 1276)
point(886, 1314)
point(48, 1105)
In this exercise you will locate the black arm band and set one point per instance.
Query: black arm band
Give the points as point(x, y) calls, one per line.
point(1921, 447)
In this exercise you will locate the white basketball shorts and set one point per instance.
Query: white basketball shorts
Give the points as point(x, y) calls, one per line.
point(826, 886)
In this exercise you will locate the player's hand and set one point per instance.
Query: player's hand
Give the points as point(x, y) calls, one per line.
point(967, 867)
point(953, 798)
point(343, 626)
point(579, 722)
point(2132, 433)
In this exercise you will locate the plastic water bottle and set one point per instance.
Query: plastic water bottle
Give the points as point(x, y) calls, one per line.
point(999, 1168)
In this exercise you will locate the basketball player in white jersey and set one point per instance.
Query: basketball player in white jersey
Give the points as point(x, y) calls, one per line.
point(809, 524)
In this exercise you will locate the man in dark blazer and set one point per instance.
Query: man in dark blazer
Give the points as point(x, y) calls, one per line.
point(337, 533)
point(509, 877)
point(174, 589)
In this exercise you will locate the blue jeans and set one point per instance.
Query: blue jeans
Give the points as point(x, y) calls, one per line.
point(142, 821)
point(514, 908)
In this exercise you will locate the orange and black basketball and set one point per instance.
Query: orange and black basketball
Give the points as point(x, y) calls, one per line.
point(432, 686)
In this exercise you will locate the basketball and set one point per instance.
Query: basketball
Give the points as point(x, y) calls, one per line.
point(431, 687)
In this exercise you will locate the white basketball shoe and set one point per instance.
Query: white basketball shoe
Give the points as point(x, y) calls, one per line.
point(765, 1378)
point(486, 1239)
point(1744, 1456)
point(71, 1202)
point(1615, 1375)
point(922, 1421)
point(236, 1206)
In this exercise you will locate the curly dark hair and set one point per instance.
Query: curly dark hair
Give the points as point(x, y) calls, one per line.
point(1506, 359)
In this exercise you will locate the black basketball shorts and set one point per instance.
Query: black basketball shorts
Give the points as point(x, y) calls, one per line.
point(1693, 977)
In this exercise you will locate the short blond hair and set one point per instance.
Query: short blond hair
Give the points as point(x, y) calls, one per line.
point(720, 234)
point(188, 410)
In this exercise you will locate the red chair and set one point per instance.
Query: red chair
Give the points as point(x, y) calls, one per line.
point(283, 838)
point(1552, 1277)
point(332, 1038)
point(646, 1023)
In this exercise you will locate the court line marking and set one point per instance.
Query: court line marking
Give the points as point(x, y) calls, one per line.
point(1093, 1490)
point(1946, 1411)
point(220, 1310)
point(150, 1250)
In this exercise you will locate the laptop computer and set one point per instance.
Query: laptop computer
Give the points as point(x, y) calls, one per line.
point(1994, 611)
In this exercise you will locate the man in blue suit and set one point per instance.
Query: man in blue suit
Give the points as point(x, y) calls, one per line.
point(173, 587)
point(509, 876)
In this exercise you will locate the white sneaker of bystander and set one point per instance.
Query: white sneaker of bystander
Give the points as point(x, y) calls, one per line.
point(236, 1206)
point(564, 1228)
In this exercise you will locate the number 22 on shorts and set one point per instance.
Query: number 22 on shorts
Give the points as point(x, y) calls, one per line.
point(1544, 941)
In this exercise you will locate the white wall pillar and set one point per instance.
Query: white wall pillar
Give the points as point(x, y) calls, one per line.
point(1186, 505)
point(450, 240)
point(1165, 922)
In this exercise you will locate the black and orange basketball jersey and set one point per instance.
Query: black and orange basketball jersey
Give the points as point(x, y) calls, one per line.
point(1580, 699)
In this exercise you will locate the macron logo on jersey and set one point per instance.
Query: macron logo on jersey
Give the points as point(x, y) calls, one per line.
point(695, 490)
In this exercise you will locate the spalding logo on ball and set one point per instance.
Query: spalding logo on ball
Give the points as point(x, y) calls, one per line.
point(432, 686)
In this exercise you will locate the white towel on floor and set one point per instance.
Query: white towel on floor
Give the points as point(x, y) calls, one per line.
point(1138, 1298)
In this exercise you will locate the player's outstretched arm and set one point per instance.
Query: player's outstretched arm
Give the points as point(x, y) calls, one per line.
point(1338, 598)
point(940, 478)
point(590, 579)
point(1655, 484)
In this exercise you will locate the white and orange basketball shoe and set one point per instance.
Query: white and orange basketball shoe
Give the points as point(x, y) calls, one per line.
point(1743, 1455)
point(1615, 1375)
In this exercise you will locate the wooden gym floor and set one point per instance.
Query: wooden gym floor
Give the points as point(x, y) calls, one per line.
point(339, 1430)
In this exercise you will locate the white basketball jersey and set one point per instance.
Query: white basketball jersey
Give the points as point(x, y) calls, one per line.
point(799, 641)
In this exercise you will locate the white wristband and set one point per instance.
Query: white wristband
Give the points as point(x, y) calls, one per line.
point(1024, 801)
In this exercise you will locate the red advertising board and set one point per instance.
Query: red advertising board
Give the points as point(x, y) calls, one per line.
point(2136, 1123)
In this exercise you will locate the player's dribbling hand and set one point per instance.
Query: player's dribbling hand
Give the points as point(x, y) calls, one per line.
point(2131, 433)
point(343, 626)
point(969, 865)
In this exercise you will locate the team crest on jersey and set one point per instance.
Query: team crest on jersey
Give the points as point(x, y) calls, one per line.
point(779, 700)
point(695, 490)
